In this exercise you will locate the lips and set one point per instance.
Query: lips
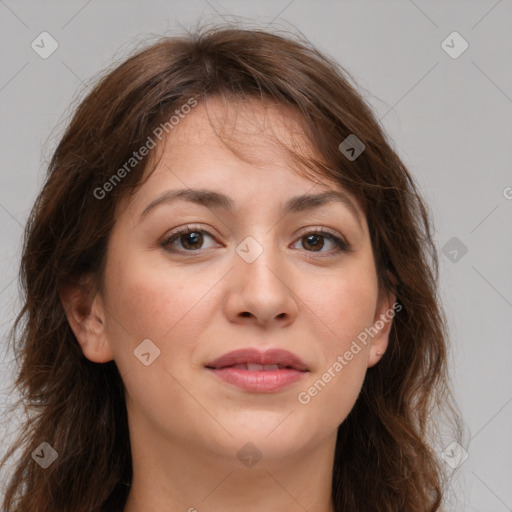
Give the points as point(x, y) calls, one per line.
point(253, 360)
point(259, 372)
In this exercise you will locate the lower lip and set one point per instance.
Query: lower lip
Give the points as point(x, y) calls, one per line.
point(264, 381)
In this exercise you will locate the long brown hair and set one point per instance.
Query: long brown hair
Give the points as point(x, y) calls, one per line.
point(384, 458)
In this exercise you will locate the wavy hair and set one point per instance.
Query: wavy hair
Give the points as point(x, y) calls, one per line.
point(384, 458)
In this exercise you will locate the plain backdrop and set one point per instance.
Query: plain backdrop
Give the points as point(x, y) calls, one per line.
point(449, 117)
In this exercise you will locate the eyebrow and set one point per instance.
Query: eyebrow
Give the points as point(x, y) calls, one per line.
point(218, 201)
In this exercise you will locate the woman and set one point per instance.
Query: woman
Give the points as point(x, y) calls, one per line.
point(230, 295)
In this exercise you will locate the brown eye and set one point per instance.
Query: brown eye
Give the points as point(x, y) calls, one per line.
point(191, 240)
point(315, 241)
point(188, 239)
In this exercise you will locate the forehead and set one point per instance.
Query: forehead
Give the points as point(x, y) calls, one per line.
point(237, 148)
point(254, 131)
point(242, 140)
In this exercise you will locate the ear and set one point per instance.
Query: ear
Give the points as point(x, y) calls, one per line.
point(86, 317)
point(381, 328)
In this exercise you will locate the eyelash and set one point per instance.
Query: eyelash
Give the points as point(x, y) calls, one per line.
point(341, 244)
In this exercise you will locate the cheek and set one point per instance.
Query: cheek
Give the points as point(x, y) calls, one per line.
point(149, 299)
point(344, 308)
point(332, 390)
point(345, 305)
point(168, 307)
point(330, 396)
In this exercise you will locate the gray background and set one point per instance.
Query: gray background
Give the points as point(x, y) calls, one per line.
point(450, 120)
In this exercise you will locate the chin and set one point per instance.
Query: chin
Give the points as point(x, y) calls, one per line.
point(272, 436)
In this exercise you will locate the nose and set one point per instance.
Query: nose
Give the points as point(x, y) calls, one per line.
point(261, 292)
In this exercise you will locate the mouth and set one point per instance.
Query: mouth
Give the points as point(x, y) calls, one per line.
point(259, 372)
point(255, 367)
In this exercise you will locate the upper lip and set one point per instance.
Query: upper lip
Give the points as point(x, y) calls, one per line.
point(251, 356)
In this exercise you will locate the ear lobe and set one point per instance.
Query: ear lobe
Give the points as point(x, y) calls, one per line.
point(86, 318)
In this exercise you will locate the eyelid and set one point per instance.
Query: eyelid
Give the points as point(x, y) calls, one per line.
point(184, 230)
point(323, 230)
point(189, 227)
point(343, 245)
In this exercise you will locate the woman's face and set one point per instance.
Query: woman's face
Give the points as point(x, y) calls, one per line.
point(257, 276)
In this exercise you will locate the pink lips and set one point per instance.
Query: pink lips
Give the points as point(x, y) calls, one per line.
point(257, 371)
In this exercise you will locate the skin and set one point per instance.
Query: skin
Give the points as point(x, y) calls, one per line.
point(186, 425)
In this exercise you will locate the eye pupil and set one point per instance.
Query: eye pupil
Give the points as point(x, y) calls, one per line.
point(314, 239)
point(194, 237)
